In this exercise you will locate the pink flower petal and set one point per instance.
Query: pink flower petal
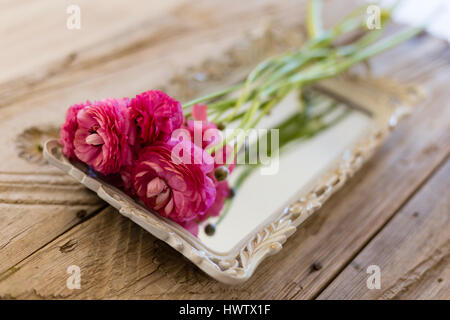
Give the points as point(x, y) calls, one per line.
point(176, 182)
point(155, 187)
point(161, 199)
point(179, 201)
point(200, 112)
point(94, 139)
point(169, 207)
point(154, 166)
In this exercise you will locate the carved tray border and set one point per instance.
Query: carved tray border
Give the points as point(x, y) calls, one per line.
point(385, 100)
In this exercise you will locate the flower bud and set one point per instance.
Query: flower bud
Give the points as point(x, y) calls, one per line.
point(220, 126)
point(210, 229)
point(221, 173)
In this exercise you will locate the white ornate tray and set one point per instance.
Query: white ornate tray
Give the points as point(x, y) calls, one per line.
point(233, 256)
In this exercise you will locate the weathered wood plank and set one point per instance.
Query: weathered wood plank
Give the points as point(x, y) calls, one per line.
point(412, 251)
point(120, 260)
point(39, 44)
point(26, 228)
point(114, 47)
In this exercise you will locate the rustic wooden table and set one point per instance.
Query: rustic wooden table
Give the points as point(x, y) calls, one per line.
point(395, 213)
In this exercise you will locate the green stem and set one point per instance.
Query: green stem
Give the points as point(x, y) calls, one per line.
point(314, 23)
point(212, 96)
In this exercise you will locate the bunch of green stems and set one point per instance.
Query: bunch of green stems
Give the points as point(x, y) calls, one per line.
point(316, 113)
point(319, 58)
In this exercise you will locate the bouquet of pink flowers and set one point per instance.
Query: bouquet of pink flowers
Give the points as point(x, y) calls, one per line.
point(146, 147)
point(174, 159)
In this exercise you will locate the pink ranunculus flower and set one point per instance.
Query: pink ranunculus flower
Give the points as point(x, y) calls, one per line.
point(178, 189)
point(156, 115)
point(104, 135)
point(67, 132)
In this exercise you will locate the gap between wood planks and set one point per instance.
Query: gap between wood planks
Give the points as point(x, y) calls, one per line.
point(375, 234)
point(412, 252)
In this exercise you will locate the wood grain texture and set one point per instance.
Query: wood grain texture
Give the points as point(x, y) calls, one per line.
point(138, 51)
point(412, 251)
point(39, 44)
point(120, 260)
